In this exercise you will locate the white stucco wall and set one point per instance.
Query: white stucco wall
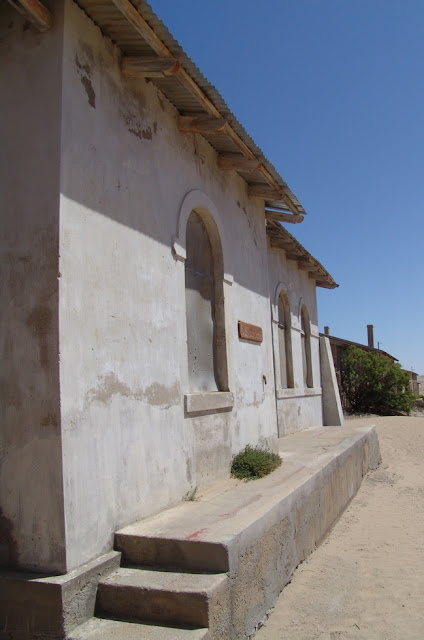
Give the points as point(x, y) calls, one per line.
point(129, 449)
point(300, 407)
point(95, 364)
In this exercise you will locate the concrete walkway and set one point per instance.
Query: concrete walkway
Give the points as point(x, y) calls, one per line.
point(366, 582)
point(211, 568)
point(231, 507)
point(252, 534)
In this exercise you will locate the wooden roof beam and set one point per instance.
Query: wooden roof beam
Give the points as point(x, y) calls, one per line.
point(275, 195)
point(201, 124)
point(303, 266)
point(293, 218)
point(264, 192)
point(153, 40)
point(280, 243)
point(147, 33)
point(35, 12)
point(140, 25)
point(309, 265)
point(147, 67)
point(282, 195)
point(237, 162)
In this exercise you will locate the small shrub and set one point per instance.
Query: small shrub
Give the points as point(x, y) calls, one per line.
point(253, 462)
point(190, 496)
point(371, 382)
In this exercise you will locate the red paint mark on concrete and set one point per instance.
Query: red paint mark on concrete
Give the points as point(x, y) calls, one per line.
point(191, 536)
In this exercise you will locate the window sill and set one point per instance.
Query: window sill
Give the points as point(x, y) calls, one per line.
point(208, 401)
point(298, 392)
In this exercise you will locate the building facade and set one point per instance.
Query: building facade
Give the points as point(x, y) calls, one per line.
point(156, 316)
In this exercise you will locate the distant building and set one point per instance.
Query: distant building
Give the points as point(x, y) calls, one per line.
point(339, 345)
point(413, 381)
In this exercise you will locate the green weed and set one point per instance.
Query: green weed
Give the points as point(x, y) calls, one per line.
point(253, 463)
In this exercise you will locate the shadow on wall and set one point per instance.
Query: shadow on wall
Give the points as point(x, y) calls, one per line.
point(139, 181)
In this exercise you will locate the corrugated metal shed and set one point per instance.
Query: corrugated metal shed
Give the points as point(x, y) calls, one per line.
point(137, 31)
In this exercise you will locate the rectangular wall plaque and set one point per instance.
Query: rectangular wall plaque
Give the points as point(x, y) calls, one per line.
point(249, 332)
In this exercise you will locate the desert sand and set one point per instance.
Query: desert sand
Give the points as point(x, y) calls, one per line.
point(366, 581)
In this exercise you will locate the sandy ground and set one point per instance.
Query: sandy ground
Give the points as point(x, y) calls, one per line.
point(366, 581)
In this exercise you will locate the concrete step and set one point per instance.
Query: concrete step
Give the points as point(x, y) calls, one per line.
point(180, 599)
point(171, 553)
point(101, 629)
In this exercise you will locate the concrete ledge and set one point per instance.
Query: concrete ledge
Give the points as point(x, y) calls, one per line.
point(208, 401)
point(260, 531)
point(298, 393)
point(36, 606)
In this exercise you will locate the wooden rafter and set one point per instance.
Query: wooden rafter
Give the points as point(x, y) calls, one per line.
point(237, 162)
point(324, 284)
point(281, 242)
point(303, 266)
point(293, 218)
point(143, 67)
point(138, 22)
point(140, 25)
point(35, 12)
point(282, 239)
point(201, 124)
point(153, 40)
point(264, 192)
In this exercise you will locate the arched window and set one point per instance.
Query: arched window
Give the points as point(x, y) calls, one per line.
point(306, 347)
point(206, 347)
point(284, 342)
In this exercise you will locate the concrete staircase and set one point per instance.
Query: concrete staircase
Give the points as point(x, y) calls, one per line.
point(164, 602)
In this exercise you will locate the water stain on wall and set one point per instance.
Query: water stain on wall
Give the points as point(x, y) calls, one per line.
point(147, 133)
point(85, 74)
point(159, 395)
point(86, 83)
point(155, 394)
point(85, 68)
point(142, 134)
point(134, 126)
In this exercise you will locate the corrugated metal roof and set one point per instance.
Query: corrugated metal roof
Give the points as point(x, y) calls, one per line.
point(282, 239)
point(116, 26)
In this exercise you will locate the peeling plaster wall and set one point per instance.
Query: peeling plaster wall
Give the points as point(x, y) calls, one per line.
point(31, 492)
point(300, 407)
point(129, 448)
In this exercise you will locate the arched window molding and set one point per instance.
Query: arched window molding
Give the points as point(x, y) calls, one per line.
point(198, 201)
point(306, 347)
point(282, 347)
point(285, 342)
point(213, 392)
point(206, 341)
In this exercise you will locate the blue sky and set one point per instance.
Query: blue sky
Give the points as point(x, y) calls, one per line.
point(333, 93)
